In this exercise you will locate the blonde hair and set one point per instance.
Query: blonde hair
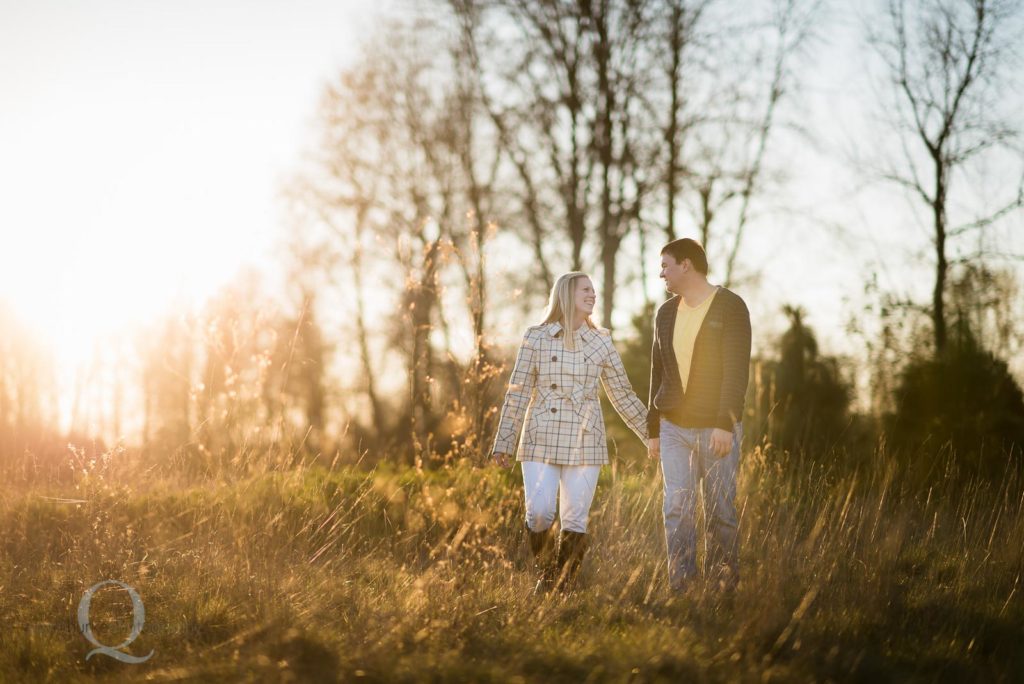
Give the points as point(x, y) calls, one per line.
point(562, 306)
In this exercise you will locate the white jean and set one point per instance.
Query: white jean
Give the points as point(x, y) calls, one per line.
point(570, 486)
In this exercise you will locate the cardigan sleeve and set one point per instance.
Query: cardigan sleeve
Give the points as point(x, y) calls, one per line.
point(653, 414)
point(735, 365)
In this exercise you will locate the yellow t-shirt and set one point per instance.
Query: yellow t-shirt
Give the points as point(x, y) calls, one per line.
point(688, 322)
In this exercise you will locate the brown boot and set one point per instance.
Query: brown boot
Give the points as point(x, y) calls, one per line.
point(542, 546)
point(571, 547)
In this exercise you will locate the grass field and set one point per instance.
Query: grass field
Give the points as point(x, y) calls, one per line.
point(346, 573)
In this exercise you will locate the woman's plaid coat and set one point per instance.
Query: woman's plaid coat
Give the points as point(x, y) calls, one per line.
point(554, 392)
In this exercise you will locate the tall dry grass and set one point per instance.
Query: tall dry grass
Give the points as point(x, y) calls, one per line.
point(330, 572)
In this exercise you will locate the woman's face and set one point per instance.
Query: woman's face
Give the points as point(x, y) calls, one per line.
point(585, 296)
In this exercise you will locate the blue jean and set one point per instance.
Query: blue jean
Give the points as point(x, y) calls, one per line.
point(690, 469)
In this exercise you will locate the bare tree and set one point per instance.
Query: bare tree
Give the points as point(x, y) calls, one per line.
point(540, 94)
point(27, 380)
point(405, 185)
point(167, 356)
point(479, 172)
point(341, 199)
point(564, 85)
point(948, 62)
point(729, 127)
point(623, 144)
point(548, 121)
point(681, 19)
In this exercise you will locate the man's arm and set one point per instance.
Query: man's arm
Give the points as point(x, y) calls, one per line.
point(735, 366)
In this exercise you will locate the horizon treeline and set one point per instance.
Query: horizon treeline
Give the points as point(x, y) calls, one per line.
point(478, 149)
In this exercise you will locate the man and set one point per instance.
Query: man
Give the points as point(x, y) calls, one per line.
point(700, 364)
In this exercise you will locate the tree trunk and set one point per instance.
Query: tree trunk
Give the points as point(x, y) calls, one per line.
point(941, 264)
point(609, 252)
point(422, 300)
point(363, 337)
point(672, 182)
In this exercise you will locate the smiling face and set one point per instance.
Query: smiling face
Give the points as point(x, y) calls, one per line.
point(584, 296)
point(674, 272)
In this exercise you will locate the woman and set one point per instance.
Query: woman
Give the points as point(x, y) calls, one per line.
point(553, 390)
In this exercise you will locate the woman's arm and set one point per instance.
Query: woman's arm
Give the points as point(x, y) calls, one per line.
point(620, 392)
point(521, 385)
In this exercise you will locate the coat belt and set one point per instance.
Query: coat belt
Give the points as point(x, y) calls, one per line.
point(580, 397)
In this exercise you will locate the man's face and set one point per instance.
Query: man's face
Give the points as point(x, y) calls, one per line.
point(673, 272)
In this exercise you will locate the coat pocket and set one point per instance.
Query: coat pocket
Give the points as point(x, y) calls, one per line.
point(535, 421)
point(544, 421)
point(594, 421)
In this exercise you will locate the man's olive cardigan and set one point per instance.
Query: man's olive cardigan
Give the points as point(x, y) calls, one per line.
point(719, 368)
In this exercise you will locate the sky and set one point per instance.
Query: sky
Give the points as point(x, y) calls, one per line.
point(144, 145)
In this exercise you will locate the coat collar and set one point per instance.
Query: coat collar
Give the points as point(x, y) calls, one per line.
point(589, 337)
point(555, 330)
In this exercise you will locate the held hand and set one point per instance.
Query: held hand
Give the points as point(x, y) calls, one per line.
point(721, 442)
point(503, 460)
point(654, 448)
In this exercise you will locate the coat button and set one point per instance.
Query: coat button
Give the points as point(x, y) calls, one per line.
point(554, 386)
point(554, 410)
point(554, 358)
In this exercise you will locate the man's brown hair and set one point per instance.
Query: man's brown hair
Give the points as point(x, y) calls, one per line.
point(685, 248)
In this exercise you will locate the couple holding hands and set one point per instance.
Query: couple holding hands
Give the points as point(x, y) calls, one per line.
point(699, 370)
